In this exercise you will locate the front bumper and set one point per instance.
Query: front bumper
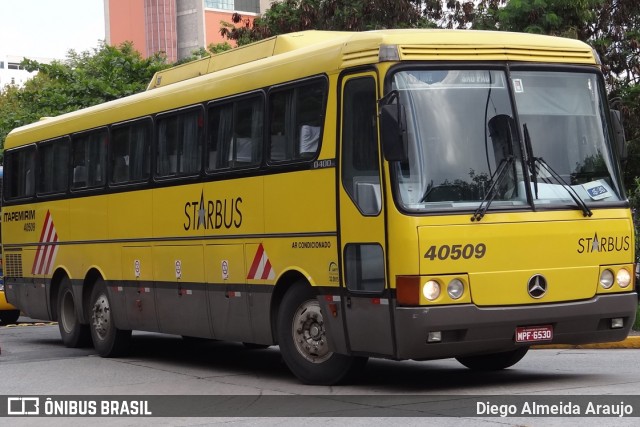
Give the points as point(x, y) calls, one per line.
point(469, 329)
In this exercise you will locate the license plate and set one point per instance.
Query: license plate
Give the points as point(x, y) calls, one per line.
point(534, 333)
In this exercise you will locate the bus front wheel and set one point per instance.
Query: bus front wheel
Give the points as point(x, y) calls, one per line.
point(303, 342)
point(73, 333)
point(108, 340)
point(493, 361)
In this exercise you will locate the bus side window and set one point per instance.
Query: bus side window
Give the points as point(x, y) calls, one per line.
point(130, 151)
point(53, 166)
point(19, 168)
point(219, 132)
point(179, 145)
point(89, 159)
point(235, 134)
point(296, 117)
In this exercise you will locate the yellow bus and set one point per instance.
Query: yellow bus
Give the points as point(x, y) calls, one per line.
point(403, 194)
point(8, 313)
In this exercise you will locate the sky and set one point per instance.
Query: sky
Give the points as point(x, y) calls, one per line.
point(50, 28)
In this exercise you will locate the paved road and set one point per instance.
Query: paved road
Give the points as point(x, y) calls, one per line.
point(34, 361)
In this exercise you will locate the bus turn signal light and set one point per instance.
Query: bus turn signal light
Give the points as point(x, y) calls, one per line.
point(408, 290)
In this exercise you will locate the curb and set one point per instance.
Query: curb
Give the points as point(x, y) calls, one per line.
point(24, 324)
point(628, 343)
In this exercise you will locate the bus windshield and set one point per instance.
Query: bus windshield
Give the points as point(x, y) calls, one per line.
point(467, 144)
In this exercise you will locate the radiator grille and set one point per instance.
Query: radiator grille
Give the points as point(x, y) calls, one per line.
point(13, 265)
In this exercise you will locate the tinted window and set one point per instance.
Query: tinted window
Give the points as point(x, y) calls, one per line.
point(19, 173)
point(89, 159)
point(130, 153)
point(296, 117)
point(360, 171)
point(54, 166)
point(235, 134)
point(179, 143)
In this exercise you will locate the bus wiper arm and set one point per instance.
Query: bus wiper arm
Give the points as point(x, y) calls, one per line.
point(531, 161)
point(572, 192)
point(496, 179)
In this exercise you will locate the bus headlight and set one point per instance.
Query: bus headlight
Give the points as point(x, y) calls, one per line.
point(606, 279)
point(623, 278)
point(431, 290)
point(455, 288)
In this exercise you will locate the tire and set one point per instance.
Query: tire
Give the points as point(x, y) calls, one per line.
point(108, 340)
point(494, 361)
point(8, 317)
point(303, 342)
point(73, 333)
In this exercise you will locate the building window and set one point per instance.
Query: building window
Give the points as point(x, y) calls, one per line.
point(252, 6)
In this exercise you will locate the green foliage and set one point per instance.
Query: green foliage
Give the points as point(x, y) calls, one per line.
point(83, 79)
point(634, 201)
point(334, 15)
point(568, 18)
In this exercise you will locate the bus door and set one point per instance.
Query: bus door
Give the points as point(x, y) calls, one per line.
point(365, 304)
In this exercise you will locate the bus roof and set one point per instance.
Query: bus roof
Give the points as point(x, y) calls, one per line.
point(363, 48)
point(296, 55)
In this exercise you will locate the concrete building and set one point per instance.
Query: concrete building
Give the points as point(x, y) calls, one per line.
point(176, 27)
point(11, 73)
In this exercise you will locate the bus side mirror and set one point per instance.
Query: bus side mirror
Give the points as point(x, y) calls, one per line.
point(393, 132)
point(618, 131)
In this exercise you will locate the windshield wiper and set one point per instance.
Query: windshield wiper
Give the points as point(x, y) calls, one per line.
point(572, 192)
point(531, 161)
point(534, 162)
point(496, 179)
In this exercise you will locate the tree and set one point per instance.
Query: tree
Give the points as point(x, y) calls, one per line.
point(612, 28)
point(82, 80)
point(479, 14)
point(337, 15)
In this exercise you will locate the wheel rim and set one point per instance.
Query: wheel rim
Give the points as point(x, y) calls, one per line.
point(309, 333)
point(68, 312)
point(101, 316)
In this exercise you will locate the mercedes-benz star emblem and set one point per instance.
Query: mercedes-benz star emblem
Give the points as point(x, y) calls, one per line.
point(537, 286)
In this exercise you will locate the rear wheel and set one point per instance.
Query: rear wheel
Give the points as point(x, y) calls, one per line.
point(108, 340)
point(73, 333)
point(303, 342)
point(493, 361)
point(8, 317)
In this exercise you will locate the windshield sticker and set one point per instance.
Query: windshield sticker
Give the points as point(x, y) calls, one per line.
point(596, 190)
point(517, 85)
